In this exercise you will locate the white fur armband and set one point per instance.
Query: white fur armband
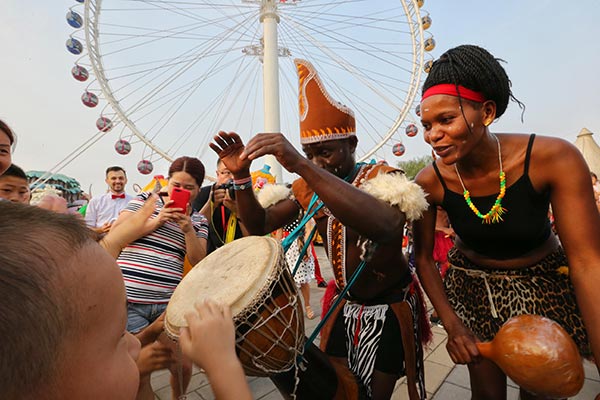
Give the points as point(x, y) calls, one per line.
point(397, 190)
point(272, 194)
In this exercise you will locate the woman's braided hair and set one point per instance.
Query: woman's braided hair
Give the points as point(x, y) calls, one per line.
point(474, 68)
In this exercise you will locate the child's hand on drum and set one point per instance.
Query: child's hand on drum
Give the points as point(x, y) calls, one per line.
point(153, 357)
point(209, 339)
point(150, 333)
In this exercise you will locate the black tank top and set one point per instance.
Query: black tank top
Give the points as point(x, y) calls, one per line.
point(525, 225)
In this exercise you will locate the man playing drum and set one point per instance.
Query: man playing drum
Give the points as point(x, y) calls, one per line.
point(376, 330)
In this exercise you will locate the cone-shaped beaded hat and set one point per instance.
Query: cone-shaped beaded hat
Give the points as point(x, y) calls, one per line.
point(321, 117)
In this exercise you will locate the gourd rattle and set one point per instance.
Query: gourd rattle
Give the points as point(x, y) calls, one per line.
point(538, 354)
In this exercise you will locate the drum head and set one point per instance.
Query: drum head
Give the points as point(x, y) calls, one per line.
point(233, 274)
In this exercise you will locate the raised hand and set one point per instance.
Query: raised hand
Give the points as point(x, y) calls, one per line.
point(277, 145)
point(137, 225)
point(229, 148)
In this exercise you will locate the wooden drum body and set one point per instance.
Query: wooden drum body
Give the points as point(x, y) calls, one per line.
point(249, 275)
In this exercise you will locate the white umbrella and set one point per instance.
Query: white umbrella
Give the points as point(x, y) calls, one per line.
point(590, 150)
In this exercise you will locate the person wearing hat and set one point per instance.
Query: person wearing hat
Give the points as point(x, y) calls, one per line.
point(376, 330)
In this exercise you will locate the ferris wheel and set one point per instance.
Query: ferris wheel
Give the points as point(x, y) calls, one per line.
point(167, 75)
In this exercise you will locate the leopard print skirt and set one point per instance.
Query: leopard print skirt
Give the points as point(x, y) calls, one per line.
point(486, 298)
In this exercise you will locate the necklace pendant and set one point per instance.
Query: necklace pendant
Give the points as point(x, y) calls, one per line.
point(495, 214)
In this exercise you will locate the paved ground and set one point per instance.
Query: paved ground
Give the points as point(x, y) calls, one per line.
point(443, 379)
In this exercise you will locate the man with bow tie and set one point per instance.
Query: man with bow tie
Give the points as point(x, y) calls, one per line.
point(103, 210)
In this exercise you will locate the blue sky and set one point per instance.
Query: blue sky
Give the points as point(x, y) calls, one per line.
point(551, 49)
point(552, 54)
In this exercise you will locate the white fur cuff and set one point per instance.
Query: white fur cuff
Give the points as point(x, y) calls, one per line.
point(272, 194)
point(397, 190)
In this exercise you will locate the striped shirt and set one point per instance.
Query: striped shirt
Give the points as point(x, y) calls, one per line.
point(152, 266)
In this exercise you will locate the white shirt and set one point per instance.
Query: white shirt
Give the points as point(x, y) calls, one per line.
point(102, 209)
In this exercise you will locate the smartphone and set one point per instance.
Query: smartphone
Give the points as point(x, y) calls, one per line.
point(180, 197)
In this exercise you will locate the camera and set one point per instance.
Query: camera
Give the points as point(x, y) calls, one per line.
point(229, 187)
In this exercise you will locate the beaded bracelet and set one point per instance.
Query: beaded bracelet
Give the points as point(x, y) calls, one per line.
point(242, 184)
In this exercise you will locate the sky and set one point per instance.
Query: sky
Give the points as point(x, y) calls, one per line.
point(551, 51)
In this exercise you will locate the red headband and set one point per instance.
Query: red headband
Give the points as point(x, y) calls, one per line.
point(450, 89)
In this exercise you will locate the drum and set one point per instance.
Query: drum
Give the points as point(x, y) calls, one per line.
point(249, 275)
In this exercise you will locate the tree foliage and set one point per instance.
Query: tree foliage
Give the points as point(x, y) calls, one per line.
point(412, 167)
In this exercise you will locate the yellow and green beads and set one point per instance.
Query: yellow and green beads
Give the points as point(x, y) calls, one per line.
point(495, 213)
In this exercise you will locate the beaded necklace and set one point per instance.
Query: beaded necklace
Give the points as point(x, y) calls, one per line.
point(495, 213)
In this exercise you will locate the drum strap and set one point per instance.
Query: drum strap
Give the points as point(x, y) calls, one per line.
point(313, 207)
point(304, 250)
point(336, 303)
point(310, 212)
